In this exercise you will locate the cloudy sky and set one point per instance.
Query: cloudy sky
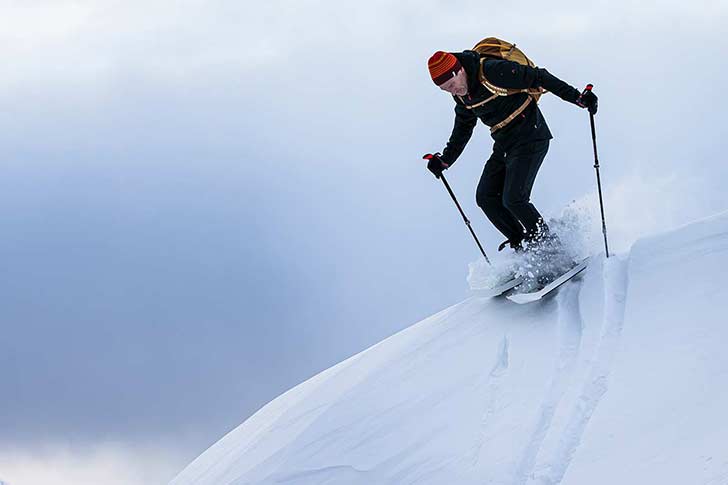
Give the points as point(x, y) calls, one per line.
point(203, 203)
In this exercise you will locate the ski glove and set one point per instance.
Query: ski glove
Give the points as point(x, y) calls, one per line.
point(435, 164)
point(588, 100)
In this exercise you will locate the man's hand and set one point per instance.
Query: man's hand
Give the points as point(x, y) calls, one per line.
point(435, 164)
point(588, 100)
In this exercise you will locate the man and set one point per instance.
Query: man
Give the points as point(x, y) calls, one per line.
point(518, 128)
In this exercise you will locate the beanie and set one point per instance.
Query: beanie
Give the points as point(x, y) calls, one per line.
point(443, 66)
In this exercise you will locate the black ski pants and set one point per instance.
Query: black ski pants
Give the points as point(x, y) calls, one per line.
point(504, 190)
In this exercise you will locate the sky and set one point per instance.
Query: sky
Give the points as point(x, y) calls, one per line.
point(203, 204)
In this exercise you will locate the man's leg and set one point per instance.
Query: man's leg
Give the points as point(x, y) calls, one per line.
point(522, 164)
point(489, 197)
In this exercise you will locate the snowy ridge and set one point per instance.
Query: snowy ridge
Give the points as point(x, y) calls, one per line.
point(596, 382)
point(622, 377)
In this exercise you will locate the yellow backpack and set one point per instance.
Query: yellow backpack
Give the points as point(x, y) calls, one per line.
point(494, 48)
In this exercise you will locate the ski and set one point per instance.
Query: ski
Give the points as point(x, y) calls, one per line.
point(499, 289)
point(522, 298)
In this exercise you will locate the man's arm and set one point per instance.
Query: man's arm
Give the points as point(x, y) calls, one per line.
point(465, 121)
point(512, 75)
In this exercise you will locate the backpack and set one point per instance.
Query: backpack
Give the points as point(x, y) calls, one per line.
point(494, 48)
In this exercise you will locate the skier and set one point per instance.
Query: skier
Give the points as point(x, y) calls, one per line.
point(500, 93)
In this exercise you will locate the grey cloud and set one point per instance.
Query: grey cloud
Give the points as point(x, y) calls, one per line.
point(204, 204)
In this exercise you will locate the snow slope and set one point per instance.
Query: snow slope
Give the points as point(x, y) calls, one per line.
point(622, 377)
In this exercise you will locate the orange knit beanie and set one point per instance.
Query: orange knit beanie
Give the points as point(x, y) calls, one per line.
point(443, 66)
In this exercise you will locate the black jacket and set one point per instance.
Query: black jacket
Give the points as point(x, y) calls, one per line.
point(527, 127)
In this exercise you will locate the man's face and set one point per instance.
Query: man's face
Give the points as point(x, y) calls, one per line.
point(457, 85)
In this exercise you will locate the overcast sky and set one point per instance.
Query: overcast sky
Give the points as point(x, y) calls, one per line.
point(204, 203)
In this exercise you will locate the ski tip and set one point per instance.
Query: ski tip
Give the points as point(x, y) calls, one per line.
point(498, 290)
point(523, 298)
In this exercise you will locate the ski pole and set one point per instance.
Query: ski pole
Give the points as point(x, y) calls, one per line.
point(467, 222)
point(596, 167)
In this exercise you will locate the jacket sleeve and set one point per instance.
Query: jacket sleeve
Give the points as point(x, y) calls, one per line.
point(512, 75)
point(462, 131)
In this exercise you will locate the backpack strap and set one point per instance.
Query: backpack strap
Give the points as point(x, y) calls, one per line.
point(499, 91)
point(513, 115)
point(481, 103)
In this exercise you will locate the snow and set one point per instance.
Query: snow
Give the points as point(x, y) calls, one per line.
point(572, 230)
point(621, 377)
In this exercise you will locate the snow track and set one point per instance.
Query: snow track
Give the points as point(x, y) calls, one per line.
point(619, 378)
point(561, 413)
point(570, 328)
point(596, 384)
point(493, 383)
